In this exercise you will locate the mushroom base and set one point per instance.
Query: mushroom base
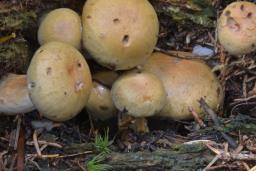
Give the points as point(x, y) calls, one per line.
point(138, 125)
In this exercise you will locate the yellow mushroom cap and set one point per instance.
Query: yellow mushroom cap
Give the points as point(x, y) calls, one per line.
point(185, 81)
point(62, 25)
point(139, 94)
point(119, 34)
point(14, 98)
point(59, 81)
point(237, 28)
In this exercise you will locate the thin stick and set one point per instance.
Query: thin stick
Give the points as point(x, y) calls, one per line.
point(196, 117)
point(36, 144)
point(58, 155)
point(40, 142)
point(17, 133)
point(21, 150)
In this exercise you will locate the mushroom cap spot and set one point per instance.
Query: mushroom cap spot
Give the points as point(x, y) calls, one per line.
point(129, 29)
point(141, 94)
point(237, 30)
point(63, 25)
point(100, 104)
point(185, 81)
point(62, 94)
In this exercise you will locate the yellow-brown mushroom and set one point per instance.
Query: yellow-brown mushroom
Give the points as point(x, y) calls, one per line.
point(186, 82)
point(237, 28)
point(59, 81)
point(119, 34)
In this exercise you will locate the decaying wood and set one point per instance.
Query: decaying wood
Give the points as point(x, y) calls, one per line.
point(183, 157)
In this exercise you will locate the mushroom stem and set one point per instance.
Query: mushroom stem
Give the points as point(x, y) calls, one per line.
point(141, 125)
point(124, 121)
point(138, 124)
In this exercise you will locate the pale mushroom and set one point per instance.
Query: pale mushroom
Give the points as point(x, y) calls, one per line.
point(59, 81)
point(139, 95)
point(62, 25)
point(14, 98)
point(100, 104)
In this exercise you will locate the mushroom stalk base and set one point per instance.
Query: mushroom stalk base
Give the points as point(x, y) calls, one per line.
point(141, 125)
point(126, 121)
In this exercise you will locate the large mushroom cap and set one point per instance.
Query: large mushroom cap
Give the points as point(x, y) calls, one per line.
point(138, 94)
point(237, 28)
point(14, 98)
point(185, 81)
point(120, 34)
point(59, 81)
point(63, 25)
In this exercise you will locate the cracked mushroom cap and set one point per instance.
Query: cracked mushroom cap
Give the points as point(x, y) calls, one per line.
point(119, 34)
point(237, 28)
point(59, 81)
point(14, 98)
point(62, 25)
point(185, 81)
point(139, 94)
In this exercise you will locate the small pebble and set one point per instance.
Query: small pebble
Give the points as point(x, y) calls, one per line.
point(201, 51)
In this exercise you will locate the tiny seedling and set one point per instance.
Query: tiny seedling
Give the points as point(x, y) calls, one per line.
point(95, 164)
point(102, 143)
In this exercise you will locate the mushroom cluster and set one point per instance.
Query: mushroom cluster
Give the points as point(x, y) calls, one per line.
point(119, 35)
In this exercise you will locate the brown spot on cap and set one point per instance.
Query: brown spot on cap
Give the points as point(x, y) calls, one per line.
point(249, 15)
point(48, 71)
point(116, 20)
point(146, 98)
point(227, 13)
point(242, 7)
point(125, 40)
point(103, 108)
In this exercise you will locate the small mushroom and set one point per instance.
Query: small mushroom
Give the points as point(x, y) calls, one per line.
point(100, 104)
point(237, 28)
point(139, 95)
point(119, 34)
point(63, 25)
point(186, 82)
point(14, 98)
point(59, 81)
